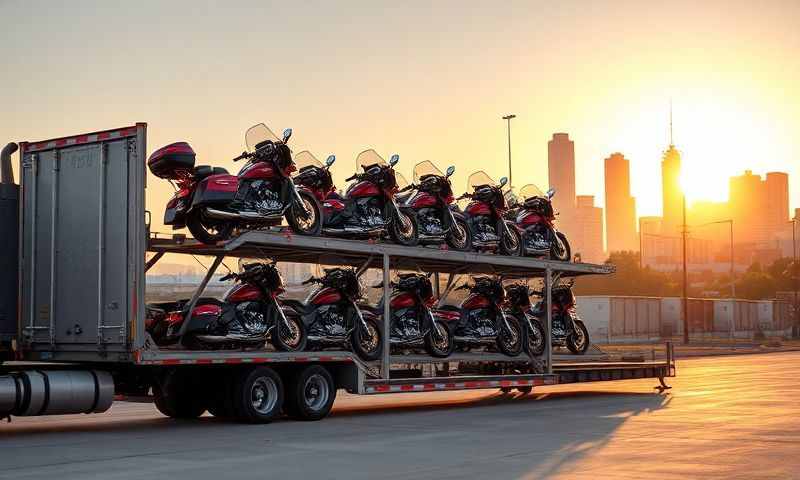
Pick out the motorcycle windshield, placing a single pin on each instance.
(479, 178)
(529, 191)
(400, 180)
(257, 134)
(370, 157)
(306, 159)
(426, 168)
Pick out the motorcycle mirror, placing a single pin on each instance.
(503, 181)
(450, 170)
(394, 159)
(287, 134)
(551, 192)
(329, 161)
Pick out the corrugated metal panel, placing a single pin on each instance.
(83, 241)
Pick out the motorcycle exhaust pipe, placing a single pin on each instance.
(246, 216)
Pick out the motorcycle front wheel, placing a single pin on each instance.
(510, 342)
(460, 236)
(534, 338)
(404, 229)
(560, 249)
(442, 347)
(206, 230)
(305, 219)
(367, 344)
(511, 245)
(289, 337)
(578, 342)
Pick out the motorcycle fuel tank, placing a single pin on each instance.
(326, 296)
(423, 200)
(243, 293)
(363, 189)
(526, 219)
(478, 208)
(258, 171)
(475, 301)
(404, 300)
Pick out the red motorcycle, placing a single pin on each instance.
(430, 199)
(481, 320)
(485, 214)
(249, 314)
(535, 221)
(369, 208)
(212, 203)
(413, 323)
(316, 178)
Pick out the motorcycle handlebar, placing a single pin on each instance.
(407, 187)
(354, 177)
(310, 280)
(242, 156)
(228, 277)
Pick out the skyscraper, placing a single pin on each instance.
(777, 185)
(620, 206)
(587, 230)
(672, 195)
(561, 171)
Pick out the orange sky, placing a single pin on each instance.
(427, 82)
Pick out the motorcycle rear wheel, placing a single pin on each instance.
(207, 231)
(367, 345)
(308, 222)
(510, 343)
(560, 249)
(444, 347)
(404, 230)
(460, 236)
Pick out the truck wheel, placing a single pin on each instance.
(177, 396)
(257, 395)
(222, 401)
(310, 394)
(525, 390)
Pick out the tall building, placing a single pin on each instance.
(586, 235)
(672, 196)
(777, 186)
(620, 205)
(748, 204)
(561, 171)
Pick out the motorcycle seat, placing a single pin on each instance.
(203, 171)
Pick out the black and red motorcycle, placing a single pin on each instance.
(332, 318)
(249, 314)
(485, 214)
(481, 319)
(535, 220)
(369, 208)
(568, 329)
(413, 323)
(430, 198)
(519, 305)
(315, 177)
(212, 203)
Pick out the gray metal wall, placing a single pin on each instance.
(83, 246)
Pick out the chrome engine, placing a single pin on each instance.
(484, 229)
(429, 222)
(406, 325)
(329, 322)
(536, 238)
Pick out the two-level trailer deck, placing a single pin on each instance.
(84, 243)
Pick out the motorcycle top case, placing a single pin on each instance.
(172, 160)
(216, 190)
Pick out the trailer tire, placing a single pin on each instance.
(222, 401)
(177, 396)
(310, 393)
(257, 395)
(525, 390)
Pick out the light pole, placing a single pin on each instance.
(684, 233)
(641, 243)
(795, 276)
(508, 118)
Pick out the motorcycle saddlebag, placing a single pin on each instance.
(216, 190)
(172, 160)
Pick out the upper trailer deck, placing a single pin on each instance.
(283, 246)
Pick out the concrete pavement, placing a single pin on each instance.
(727, 417)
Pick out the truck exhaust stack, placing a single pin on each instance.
(9, 252)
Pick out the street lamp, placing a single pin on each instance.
(508, 118)
(641, 243)
(795, 275)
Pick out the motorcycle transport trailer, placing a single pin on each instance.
(80, 339)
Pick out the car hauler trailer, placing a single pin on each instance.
(81, 339)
